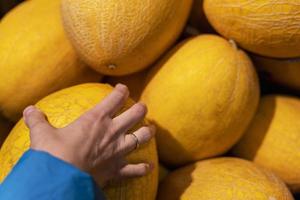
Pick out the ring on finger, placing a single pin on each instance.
(137, 142)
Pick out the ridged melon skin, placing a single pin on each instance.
(201, 97)
(266, 27)
(36, 57)
(225, 179)
(62, 108)
(122, 37)
(284, 72)
(272, 139)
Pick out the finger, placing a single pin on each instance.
(33, 117)
(129, 118)
(111, 104)
(135, 170)
(142, 136)
(36, 120)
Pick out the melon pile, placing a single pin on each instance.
(220, 78)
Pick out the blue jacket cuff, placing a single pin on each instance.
(39, 175)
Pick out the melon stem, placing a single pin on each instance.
(233, 44)
(112, 66)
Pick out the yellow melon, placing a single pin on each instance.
(5, 127)
(62, 108)
(122, 37)
(266, 27)
(273, 138)
(224, 179)
(36, 57)
(135, 83)
(285, 72)
(201, 96)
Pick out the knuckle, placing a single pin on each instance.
(86, 124)
(90, 117)
(101, 114)
(146, 134)
(147, 131)
(35, 125)
(84, 127)
(112, 130)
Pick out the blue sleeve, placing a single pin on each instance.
(39, 175)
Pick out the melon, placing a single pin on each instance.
(201, 97)
(285, 72)
(62, 108)
(266, 27)
(122, 37)
(223, 178)
(135, 82)
(273, 138)
(36, 57)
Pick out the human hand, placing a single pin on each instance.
(97, 141)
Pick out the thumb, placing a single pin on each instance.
(33, 117)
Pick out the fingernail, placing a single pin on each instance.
(122, 87)
(29, 110)
(143, 107)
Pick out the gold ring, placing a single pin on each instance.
(137, 142)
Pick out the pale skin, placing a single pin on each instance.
(97, 142)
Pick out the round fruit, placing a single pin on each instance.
(135, 83)
(223, 178)
(36, 57)
(122, 37)
(201, 96)
(273, 138)
(285, 72)
(62, 108)
(266, 27)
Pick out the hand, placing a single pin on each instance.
(96, 142)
